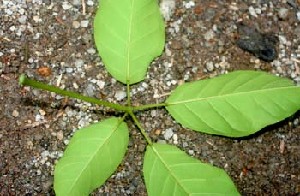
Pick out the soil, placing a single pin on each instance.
(52, 41)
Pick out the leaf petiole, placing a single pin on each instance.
(149, 106)
(138, 124)
(24, 81)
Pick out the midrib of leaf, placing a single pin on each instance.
(229, 95)
(129, 40)
(91, 158)
(168, 168)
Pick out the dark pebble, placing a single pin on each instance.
(261, 45)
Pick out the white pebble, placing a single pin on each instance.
(36, 18)
(90, 3)
(168, 134)
(189, 4)
(258, 11)
(100, 84)
(283, 13)
(22, 19)
(79, 63)
(175, 139)
(120, 95)
(8, 12)
(91, 51)
(167, 8)
(84, 23)
(66, 142)
(210, 66)
(69, 70)
(39, 117)
(153, 113)
(45, 154)
(38, 172)
(298, 15)
(21, 11)
(12, 28)
(66, 5)
(252, 11)
(282, 39)
(209, 35)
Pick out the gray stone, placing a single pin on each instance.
(283, 13)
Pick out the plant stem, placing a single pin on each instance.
(148, 106)
(138, 124)
(128, 95)
(23, 80)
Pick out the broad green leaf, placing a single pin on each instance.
(170, 171)
(128, 35)
(237, 104)
(92, 155)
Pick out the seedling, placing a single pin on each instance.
(128, 35)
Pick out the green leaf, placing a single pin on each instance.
(170, 171)
(237, 104)
(92, 155)
(128, 35)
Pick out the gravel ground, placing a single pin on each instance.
(52, 41)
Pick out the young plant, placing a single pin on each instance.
(128, 35)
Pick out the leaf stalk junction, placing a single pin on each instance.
(128, 108)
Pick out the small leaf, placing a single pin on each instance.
(237, 104)
(92, 155)
(128, 35)
(170, 171)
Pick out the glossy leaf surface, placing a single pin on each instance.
(237, 104)
(92, 155)
(128, 35)
(170, 171)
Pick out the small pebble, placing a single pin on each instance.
(209, 35)
(76, 24)
(8, 12)
(252, 11)
(79, 63)
(210, 66)
(42, 112)
(120, 95)
(36, 18)
(23, 19)
(76, 2)
(91, 51)
(66, 5)
(100, 84)
(283, 13)
(69, 70)
(189, 4)
(12, 28)
(175, 138)
(167, 8)
(84, 23)
(29, 144)
(90, 90)
(90, 3)
(15, 113)
(191, 152)
(60, 135)
(38, 172)
(168, 134)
